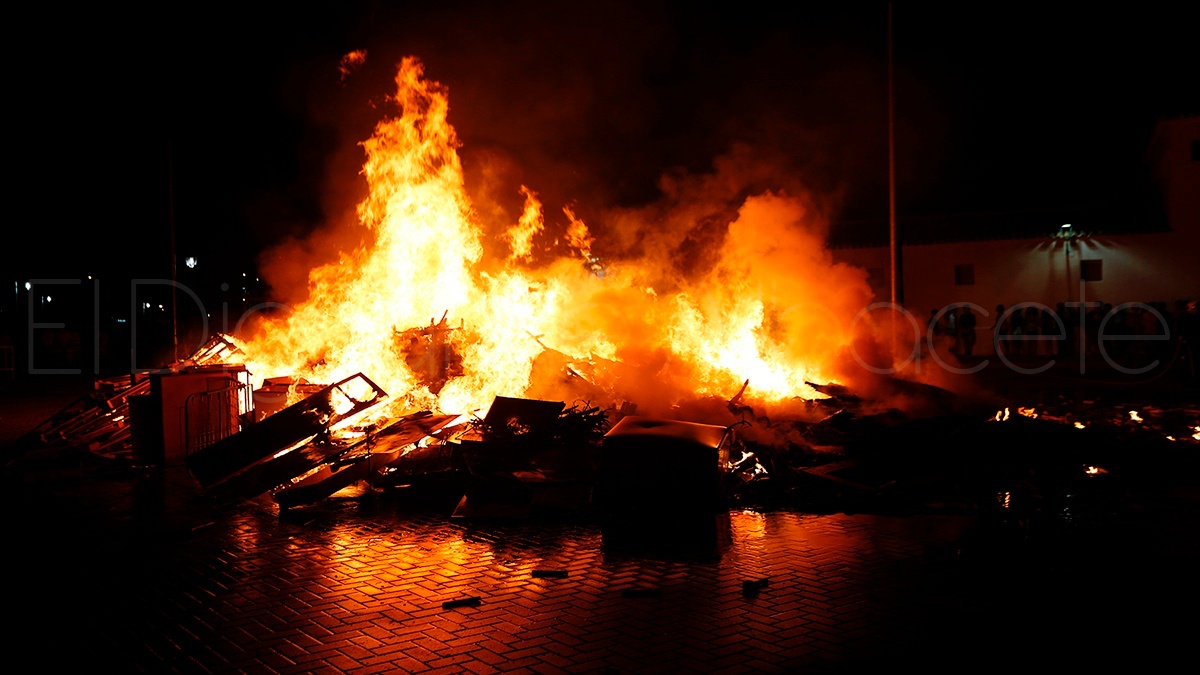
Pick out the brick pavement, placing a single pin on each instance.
(134, 571)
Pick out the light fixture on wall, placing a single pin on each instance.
(1067, 234)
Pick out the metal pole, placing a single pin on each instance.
(171, 221)
(897, 276)
(1067, 267)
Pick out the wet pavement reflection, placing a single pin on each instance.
(134, 570)
(368, 584)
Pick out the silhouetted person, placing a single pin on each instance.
(1003, 327)
(1091, 328)
(1067, 332)
(1187, 323)
(1120, 327)
(966, 331)
(933, 331)
(1031, 328)
(1051, 332)
(951, 319)
(1169, 326)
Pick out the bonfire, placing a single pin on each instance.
(446, 312)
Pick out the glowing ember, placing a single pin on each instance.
(1094, 470)
(351, 62)
(429, 310)
(1028, 412)
(1133, 415)
(1080, 425)
(745, 456)
(294, 446)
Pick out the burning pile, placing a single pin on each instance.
(720, 307)
(687, 303)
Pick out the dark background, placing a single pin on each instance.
(221, 131)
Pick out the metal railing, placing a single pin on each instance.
(209, 416)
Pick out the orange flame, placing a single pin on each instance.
(531, 223)
(418, 297)
(351, 62)
(578, 236)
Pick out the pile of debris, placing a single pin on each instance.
(301, 443)
(102, 422)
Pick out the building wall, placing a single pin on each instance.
(1175, 151)
(1133, 268)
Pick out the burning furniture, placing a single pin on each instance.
(142, 415)
(284, 445)
(186, 410)
(652, 467)
(529, 455)
(369, 459)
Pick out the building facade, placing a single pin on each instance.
(1069, 264)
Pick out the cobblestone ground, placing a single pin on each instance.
(362, 584)
(134, 571)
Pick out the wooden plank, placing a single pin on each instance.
(311, 417)
(383, 448)
(301, 420)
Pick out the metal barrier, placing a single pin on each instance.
(210, 416)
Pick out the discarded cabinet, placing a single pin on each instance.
(653, 467)
(180, 411)
(263, 445)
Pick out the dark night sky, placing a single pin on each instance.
(230, 121)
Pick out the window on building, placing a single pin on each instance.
(1091, 270)
(964, 275)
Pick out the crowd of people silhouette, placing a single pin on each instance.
(1137, 336)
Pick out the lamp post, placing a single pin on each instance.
(1067, 234)
(897, 273)
(174, 274)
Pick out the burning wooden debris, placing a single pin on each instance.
(370, 459)
(260, 456)
(655, 467)
(101, 422)
(430, 353)
(301, 442)
(526, 453)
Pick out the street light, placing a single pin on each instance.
(1068, 234)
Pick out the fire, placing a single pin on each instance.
(351, 62)
(426, 308)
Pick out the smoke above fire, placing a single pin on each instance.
(722, 289)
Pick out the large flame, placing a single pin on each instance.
(420, 308)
